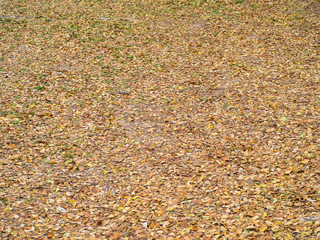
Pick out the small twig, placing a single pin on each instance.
(124, 93)
(239, 205)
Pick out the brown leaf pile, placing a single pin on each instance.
(170, 119)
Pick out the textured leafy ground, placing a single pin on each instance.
(170, 119)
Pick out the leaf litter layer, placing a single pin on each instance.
(159, 119)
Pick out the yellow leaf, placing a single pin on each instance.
(251, 227)
(211, 126)
(7, 209)
(264, 228)
(201, 178)
(194, 228)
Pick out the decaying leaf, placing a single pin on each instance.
(159, 119)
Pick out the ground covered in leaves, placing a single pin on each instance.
(170, 119)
